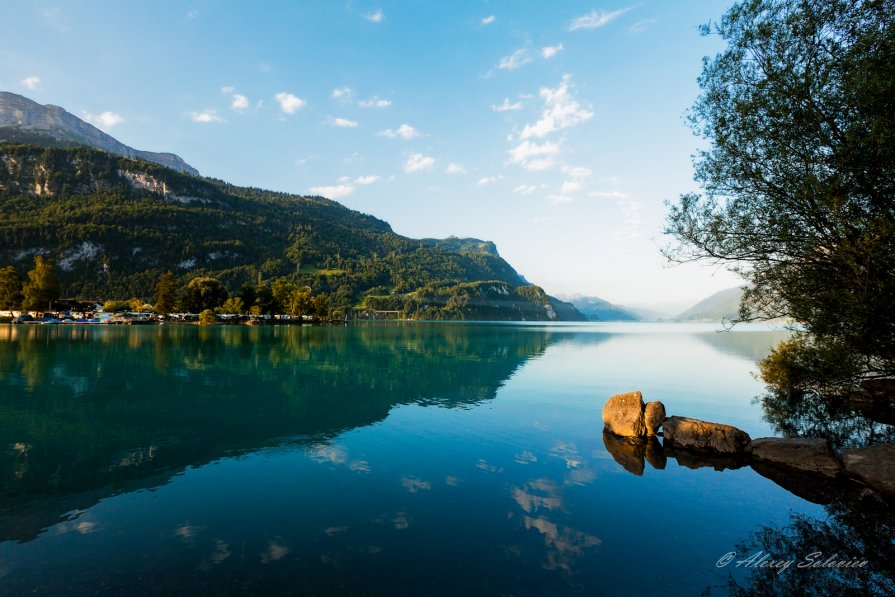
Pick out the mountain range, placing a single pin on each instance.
(25, 121)
(114, 219)
(720, 306)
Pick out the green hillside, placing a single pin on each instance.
(113, 225)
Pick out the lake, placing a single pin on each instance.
(393, 458)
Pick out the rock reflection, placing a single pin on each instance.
(630, 453)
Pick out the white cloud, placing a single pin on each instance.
(641, 26)
(227, 89)
(571, 186)
(517, 59)
(525, 189)
(343, 123)
(333, 191)
(528, 150)
(289, 103)
(454, 168)
(239, 102)
(345, 94)
(366, 179)
(577, 171)
(105, 120)
(561, 111)
(375, 17)
(596, 19)
(488, 180)
(539, 164)
(405, 131)
(32, 83)
(489, 19)
(205, 116)
(506, 106)
(418, 162)
(548, 52)
(374, 102)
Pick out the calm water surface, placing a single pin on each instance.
(371, 459)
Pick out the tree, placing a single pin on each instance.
(207, 317)
(166, 294)
(10, 289)
(203, 293)
(233, 306)
(799, 180)
(42, 287)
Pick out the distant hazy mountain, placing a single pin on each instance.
(597, 309)
(721, 305)
(25, 121)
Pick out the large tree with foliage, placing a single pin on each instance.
(201, 294)
(42, 287)
(799, 179)
(166, 294)
(10, 289)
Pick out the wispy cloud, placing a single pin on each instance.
(525, 189)
(454, 168)
(489, 19)
(366, 179)
(561, 111)
(571, 186)
(32, 83)
(517, 59)
(205, 116)
(345, 94)
(534, 156)
(641, 26)
(488, 180)
(104, 120)
(557, 199)
(374, 102)
(239, 102)
(596, 19)
(375, 17)
(289, 103)
(418, 162)
(506, 106)
(333, 191)
(607, 194)
(577, 171)
(405, 131)
(548, 52)
(342, 123)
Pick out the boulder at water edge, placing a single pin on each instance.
(874, 466)
(623, 415)
(653, 415)
(703, 436)
(813, 456)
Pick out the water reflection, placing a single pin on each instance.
(87, 414)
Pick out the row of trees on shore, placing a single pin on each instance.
(40, 288)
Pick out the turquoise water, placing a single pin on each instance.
(368, 459)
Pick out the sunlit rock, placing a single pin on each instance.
(704, 436)
(623, 415)
(813, 456)
(653, 415)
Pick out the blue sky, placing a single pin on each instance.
(554, 129)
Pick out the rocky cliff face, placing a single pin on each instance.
(23, 120)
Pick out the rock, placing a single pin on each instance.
(813, 456)
(703, 436)
(623, 415)
(653, 415)
(874, 466)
